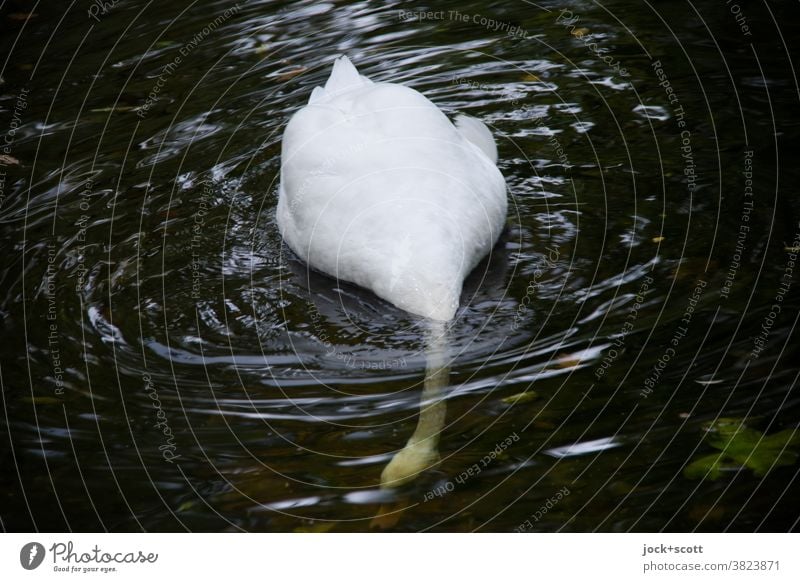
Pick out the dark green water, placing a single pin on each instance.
(168, 365)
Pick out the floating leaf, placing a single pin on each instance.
(767, 452)
(764, 459)
(579, 32)
(530, 78)
(186, 506)
(8, 160)
(526, 396)
(708, 467)
(731, 434)
(746, 447)
(658, 239)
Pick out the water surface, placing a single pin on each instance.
(169, 365)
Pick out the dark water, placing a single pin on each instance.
(168, 365)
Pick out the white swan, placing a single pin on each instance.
(380, 189)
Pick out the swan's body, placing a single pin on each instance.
(380, 189)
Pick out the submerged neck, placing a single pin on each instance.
(432, 406)
(422, 449)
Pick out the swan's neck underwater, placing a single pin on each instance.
(422, 449)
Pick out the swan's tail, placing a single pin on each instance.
(422, 449)
(344, 77)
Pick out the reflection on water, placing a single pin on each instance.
(169, 364)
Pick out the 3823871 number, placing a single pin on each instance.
(755, 565)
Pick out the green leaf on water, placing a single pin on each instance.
(731, 436)
(521, 397)
(186, 506)
(742, 446)
(708, 467)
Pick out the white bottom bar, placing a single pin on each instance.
(400, 557)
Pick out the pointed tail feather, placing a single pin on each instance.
(344, 77)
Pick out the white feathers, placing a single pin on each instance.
(380, 189)
(477, 133)
(343, 78)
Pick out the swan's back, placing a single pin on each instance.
(379, 188)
